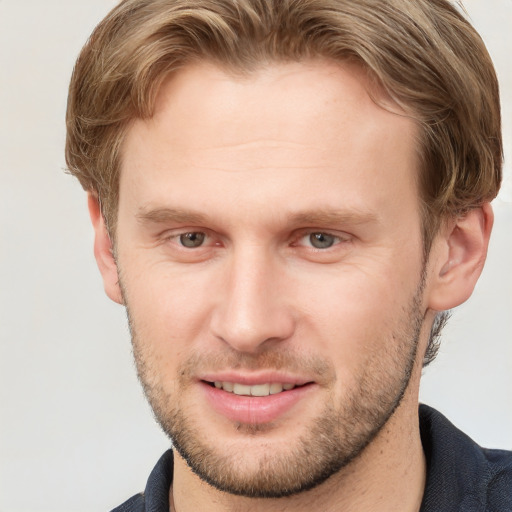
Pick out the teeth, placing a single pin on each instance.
(241, 389)
(256, 390)
(275, 388)
(260, 390)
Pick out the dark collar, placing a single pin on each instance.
(462, 476)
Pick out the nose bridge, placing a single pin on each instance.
(252, 308)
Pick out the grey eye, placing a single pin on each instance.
(321, 240)
(193, 239)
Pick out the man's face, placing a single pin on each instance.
(269, 238)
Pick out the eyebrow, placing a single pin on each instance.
(165, 215)
(169, 215)
(333, 217)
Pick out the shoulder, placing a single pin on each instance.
(499, 487)
(134, 504)
(155, 498)
(461, 475)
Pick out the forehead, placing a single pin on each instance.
(280, 100)
(303, 126)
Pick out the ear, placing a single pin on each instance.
(459, 255)
(103, 251)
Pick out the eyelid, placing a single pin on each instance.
(175, 234)
(339, 236)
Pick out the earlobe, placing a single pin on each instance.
(103, 251)
(460, 252)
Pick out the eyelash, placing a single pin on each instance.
(337, 239)
(176, 237)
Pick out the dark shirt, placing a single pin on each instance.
(461, 476)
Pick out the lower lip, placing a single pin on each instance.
(254, 409)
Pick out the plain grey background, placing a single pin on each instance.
(75, 431)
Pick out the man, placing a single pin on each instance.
(287, 196)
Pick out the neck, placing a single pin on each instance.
(389, 475)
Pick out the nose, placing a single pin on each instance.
(252, 308)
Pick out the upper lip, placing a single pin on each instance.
(255, 378)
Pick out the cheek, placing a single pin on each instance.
(168, 309)
(356, 314)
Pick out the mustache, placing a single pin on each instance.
(275, 359)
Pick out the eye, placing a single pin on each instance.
(192, 239)
(321, 240)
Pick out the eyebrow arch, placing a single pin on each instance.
(169, 215)
(333, 217)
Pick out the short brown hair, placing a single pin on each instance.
(423, 53)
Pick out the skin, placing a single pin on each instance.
(257, 164)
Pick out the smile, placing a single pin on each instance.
(261, 401)
(256, 390)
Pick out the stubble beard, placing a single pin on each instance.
(332, 441)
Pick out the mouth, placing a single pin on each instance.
(257, 402)
(259, 390)
(256, 397)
